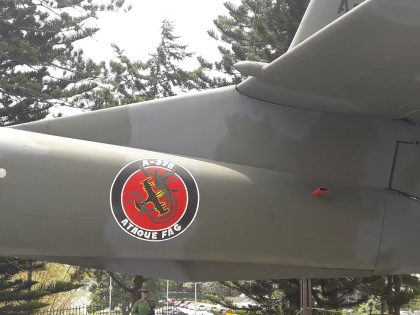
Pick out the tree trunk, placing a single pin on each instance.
(388, 294)
(29, 277)
(393, 289)
(135, 290)
(397, 289)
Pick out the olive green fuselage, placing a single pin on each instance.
(256, 165)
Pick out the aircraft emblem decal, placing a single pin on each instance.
(154, 200)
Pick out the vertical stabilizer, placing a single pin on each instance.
(319, 14)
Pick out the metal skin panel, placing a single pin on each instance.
(255, 163)
(399, 252)
(225, 126)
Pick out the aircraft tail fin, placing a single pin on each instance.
(319, 14)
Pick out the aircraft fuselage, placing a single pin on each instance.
(256, 165)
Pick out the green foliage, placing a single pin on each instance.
(283, 296)
(129, 81)
(164, 71)
(338, 293)
(270, 296)
(257, 30)
(18, 296)
(123, 288)
(396, 291)
(99, 288)
(393, 293)
(38, 66)
(372, 306)
(216, 288)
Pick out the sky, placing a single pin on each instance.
(137, 31)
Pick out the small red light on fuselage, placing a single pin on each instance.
(320, 192)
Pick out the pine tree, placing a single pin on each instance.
(283, 296)
(166, 77)
(336, 294)
(21, 296)
(395, 291)
(256, 30)
(125, 82)
(271, 296)
(39, 67)
(54, 273)
(160, 76)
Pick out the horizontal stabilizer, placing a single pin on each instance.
(366, 62)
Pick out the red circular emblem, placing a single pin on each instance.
(154, 199)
